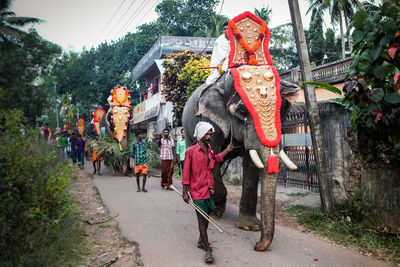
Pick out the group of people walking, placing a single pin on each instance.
(72, 145)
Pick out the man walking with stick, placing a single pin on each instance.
(198, 179)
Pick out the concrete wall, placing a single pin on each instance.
(234, 173)
(335, 122)
(381, 188)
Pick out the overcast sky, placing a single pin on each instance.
(74, 24)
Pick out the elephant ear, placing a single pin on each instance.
(211, 105)
(289, 91)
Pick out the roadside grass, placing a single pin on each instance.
(62, 245)
(346, 229)
(40, 222)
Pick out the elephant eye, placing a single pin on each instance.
(242, 111)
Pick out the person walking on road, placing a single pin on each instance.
(62, 145)
(96, 157)
(80, 150)
(198, 179)
(138, 153)
(167, 155)
(181, 148)
(72, 141)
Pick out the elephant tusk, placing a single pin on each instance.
(287, 161)
(256, 159)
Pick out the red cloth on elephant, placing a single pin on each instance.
(197, 171)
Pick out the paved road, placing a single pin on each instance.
(166, 229)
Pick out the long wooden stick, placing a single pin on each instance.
(205, 215)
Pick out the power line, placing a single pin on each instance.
(138, 11)
(156, 2)
(105, 26)
(121, 18)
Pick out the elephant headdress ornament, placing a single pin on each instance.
(80, 126)
(255, 79)
(120, 115)
(97, 117)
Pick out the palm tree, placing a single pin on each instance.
(264, 13)
(339, 10)
(9, 22)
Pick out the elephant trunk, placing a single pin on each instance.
(267, 204)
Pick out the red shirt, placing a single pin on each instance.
(197, 174)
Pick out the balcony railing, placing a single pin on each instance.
(333, 72)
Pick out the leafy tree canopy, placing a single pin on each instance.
(22, 68)
(187, 18)
(374, 102)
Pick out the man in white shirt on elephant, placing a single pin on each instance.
(219, 57)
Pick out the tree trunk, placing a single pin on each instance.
(342, 38)
(346, 23)
(313, 114)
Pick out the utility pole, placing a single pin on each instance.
(312, 106)
(55, 100)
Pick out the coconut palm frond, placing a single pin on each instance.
(8, 19)
(153, 153)
(7, 13)
(108, 147)
(22, 21)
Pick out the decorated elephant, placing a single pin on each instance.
(250, 119)
(233, 123)
(118, 118)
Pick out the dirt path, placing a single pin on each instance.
(105, 240)
(166, 230)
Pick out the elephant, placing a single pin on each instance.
(224, 109)
(110, 130)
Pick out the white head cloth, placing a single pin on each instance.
(201, 129)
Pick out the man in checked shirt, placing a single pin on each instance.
(167, 155)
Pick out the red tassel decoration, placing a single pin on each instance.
(273, 166)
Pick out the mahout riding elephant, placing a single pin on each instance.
(220, 105)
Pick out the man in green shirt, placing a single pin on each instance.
(62, 145)
(138, 153)
(181, 148)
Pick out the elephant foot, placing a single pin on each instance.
(262, 245)
(248, 223)
(219, 210)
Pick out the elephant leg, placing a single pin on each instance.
(220, 193)
(267, 210)
(247, 219)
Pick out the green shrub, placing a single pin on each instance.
(35, 202)
(108, 147)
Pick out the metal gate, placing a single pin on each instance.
(297, 144)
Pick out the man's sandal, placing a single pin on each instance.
(209, 257)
